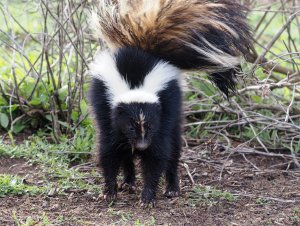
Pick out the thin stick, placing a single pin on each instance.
(188, 172)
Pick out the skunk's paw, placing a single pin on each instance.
(148, 198)
(110, 195)
(129, 187)
(147, 204)
(172, 192)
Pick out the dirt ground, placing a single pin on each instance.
(266, 194)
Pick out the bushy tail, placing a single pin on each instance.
(191, 34)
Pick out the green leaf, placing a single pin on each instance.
(74, 115)
(260, 73)
(4, 120)
(13, 107)
(63, 93)
(65, 124)
(83, 107)
(18, 127)
(49, 117)
(256, 98)
(35, 102)
(206, 88)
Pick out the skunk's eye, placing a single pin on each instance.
(131, 128)
(150, 127)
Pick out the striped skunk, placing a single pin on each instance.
(136, 100)
(135, 91)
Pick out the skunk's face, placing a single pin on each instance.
(138, 122)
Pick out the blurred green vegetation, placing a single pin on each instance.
(42, 82)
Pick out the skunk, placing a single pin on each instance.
(136, 100)
(135, 92)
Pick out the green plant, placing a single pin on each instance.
(13, 185)
(295, 217)
(57, 162)
(44, 221)
(149, 222)
(122, 215)
(43, 66)
(208, 195)
(261, 201)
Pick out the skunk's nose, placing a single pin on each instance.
(142, 145)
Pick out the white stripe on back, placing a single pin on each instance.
(105, 69)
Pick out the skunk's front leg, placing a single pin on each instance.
(153, 168)
(110, 163)
(128, 183)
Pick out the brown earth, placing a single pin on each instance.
(267, 194)
(15, 166)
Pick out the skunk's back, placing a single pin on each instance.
(191, 34)
(181, 31)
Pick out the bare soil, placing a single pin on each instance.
(17, 166)
(267, 194)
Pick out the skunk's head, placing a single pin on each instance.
(138, 122)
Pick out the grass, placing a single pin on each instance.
(43, 220)
(56, 164)
(123, 219)
(149, 222)
(124, 216)
(261, 201)
(208, 195)
(296, 216)
(14, 185)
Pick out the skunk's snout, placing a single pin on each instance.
(141, 145)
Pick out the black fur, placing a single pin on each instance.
(225, 81)
(134, 64)
(175, 30)
(185, 57)
(118, 131)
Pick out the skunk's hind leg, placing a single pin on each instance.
(172, 188)
(128, 183)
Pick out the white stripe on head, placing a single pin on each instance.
(105, 69)
(136, 96)
(158, 78)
